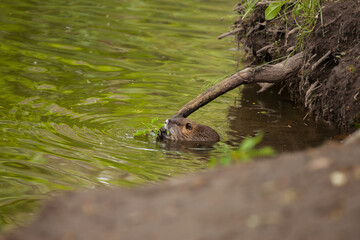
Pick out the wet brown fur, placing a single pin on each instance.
(182, 129)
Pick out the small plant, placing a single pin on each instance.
(273, 9)
(151, 128)
(244, 152)
(350, 68)
(249, 6)
(307, 10)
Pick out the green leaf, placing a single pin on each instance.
(267, 151)
(224, 161)
(273, 9)
(244, 153)
(152, 129)
(154, 120)
(298, 9)
(263, 152)
(249, 143)
(250, 8)
(138, 133)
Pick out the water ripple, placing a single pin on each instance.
(78, 78)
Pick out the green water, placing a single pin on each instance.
(79, 77)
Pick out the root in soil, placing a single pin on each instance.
(328, 84)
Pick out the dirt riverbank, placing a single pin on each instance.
(328, 84)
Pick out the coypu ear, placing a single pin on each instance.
(188, 126)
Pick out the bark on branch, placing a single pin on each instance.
(236, 30)
(264, 74)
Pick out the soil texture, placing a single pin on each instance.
(328, 84)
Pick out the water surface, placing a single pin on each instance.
(79, 77)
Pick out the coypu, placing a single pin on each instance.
(182, 129)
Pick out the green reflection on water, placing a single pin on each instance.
(78, 78)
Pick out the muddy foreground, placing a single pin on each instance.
(306, 195)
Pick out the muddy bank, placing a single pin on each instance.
(307, 195)
(328, 84)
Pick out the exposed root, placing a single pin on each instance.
(292, 31)
(281, 89)
(335, 100)
(264, 87)
(306, 115)
(310, 59)
(290, 49)
(265, 74)
(309, 92)
(322, 59)
(264, 50)
(356, 95)
(236, 30)
(257, 27)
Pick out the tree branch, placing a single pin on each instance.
(236, 30)
(264, 74)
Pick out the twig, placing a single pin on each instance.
(264, 87)
(236, 30)
(306, 115)
(264, 49)
(292, 31)
(311, 58)
(323, 58)
(290, 49)
(356, 95)
(311, 89)
(281, 89)
(257, 26)
(289, 33)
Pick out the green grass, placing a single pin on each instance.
(304, 12)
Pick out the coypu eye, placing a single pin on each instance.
(188, 126)
(177, 124)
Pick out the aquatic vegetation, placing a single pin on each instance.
(152, 128)
(244, 153)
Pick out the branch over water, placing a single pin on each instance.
(265, 74)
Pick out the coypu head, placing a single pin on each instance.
(182, 129)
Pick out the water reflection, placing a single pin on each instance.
(79, 77)
(285, 126)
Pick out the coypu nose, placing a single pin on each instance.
(166, 124)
